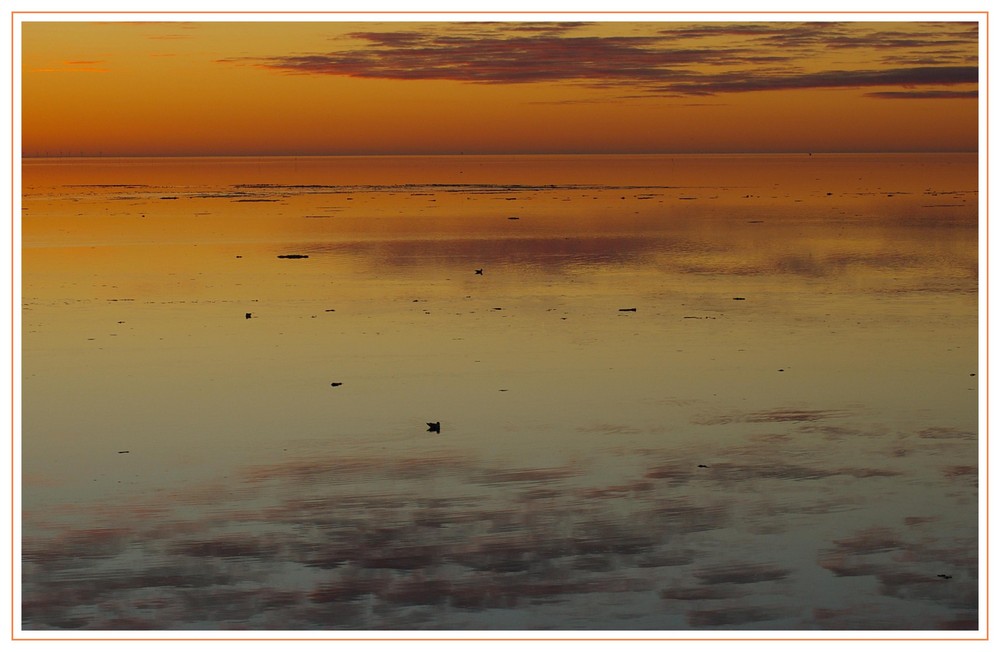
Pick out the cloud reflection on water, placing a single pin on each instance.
(388, 542)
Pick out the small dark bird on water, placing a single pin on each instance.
(249, 314)
(434, 427)
(336, 384)
(702, 466)
(479, 271)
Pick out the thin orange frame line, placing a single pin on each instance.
(986, 16)
(452, 13)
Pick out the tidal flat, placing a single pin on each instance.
(675, 393)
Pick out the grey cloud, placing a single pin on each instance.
(924, 95)
(757, 57)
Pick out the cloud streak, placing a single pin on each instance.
(684, 60)
(924, 95)
(525, 59)
(919, 76)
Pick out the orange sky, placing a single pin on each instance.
(232, 88)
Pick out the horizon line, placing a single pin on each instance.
(471, 154)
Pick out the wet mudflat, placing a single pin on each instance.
(675, 393)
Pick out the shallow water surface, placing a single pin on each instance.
(684, 393)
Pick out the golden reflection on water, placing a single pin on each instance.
(684, 393)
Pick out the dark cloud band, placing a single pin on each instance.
(675, 61)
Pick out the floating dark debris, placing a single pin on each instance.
(122, 452)
(739, 298)
(626, 310)
(513, 218)
(249, 315)
(479, 271)
(434, 426)
(336, 384)
(702, 466)
(292, 256)
(945, 577)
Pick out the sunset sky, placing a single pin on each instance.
(308, 88)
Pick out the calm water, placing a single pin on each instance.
(685, 393)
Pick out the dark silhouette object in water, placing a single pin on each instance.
(292, 256)
(702, 466)
(945, 577)
(739, 298)
(336, 384)
(434, 427)
(249, 315)
(122, 452)
(479, 271)
(626, 310)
